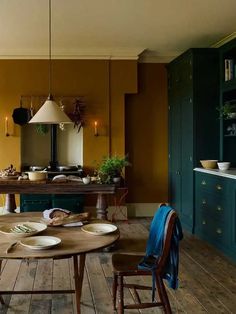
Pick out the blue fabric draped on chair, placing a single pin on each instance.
(155, 247)
(160, 261)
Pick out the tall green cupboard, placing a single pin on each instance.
(228, 96)
(193, 93)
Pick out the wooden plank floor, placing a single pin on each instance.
(207, 279)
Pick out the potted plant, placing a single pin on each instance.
(228, 110)
(111, 168)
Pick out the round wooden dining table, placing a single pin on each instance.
(75, 244)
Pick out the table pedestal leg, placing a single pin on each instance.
(10, 203)
(78, 276)
(101, 206)
(1, 298)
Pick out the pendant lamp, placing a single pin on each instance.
(50, 112)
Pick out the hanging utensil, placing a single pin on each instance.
(21, 115)
(31, 108)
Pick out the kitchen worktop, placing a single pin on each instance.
(231, 173)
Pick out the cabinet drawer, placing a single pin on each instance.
(214, 231)
(212, 183)
(213, 206)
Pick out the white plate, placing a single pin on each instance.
(99, 229)
(40, 242)
(38, 227)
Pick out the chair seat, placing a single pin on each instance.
(126, 263)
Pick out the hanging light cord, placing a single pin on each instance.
(50, 44)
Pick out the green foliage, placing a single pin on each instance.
(112, 167)
(226, 111)
(41, 129)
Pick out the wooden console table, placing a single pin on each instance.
(12, 187)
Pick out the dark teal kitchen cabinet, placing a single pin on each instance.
(73, 202)
(215, 209)
(228, 96)
(30, 203)
(193, 92)
(233, 217)
(40, 202)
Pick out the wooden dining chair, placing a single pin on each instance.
(127, 265)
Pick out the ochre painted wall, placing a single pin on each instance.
(92, 79)
(147, 136)
(104, 85)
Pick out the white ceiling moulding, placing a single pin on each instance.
(224, 40)
(154, 57)
(89, 54)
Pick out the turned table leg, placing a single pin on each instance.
(1, 298)
(78, 277)
(10, 203)
(101, 206)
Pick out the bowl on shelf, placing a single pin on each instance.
(223, 165)
(37, 175)
(209, 164)
(86, 180)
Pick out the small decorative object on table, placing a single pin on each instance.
(86, 180)
(9, 173)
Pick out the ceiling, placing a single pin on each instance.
(158, 30)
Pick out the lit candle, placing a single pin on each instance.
(6, 126)
(95, 128)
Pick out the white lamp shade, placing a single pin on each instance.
(50, 113)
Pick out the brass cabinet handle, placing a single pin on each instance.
(204, 202)
(204, 222)
(219, 208)
(219, 231)
(203, 182)
(219, 187)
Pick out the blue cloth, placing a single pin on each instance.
(155, 247)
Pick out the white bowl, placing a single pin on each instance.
(223, 165)
(37, 175)
(86, 180)
(116, 179)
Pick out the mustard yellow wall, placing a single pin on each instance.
(103, 84)
(147, 136)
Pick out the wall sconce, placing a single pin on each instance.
(95, 128)
(6, 127)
